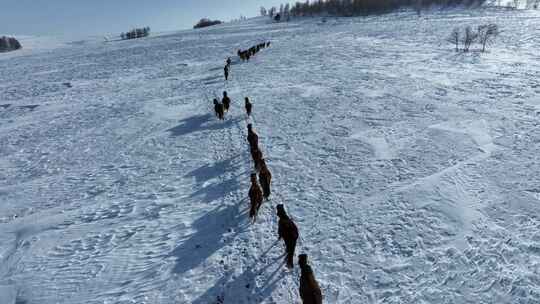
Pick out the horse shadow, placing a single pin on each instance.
(210, 192)
(197, 123)
(243, 288)
(213, 231)
(210, 171)
(212, 82)
(210, 78)
(215, 191)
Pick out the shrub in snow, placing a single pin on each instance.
(9, 44)
(487, 34)
(205, 22)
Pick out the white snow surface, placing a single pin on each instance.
(411, 170)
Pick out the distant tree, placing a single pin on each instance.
(487, 34)
(205, 22)
(454, 38)
(272, 12)
(15, 44)
(9, 44)
(287, 12)
(529, 4)
(4, 44)
(136, 33)
(296, 9)
(418, 7)
(469, 38)
(263, 11)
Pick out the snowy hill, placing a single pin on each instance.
(411, 170)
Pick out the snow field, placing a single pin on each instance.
(410, 170)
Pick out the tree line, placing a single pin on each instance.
(9, 44)
(136, 33)
(528, 4)
(349, 8)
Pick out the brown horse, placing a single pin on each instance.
(287, 231)
(218, 108)
(255, 198)
(249, 106)
(310, 292)
(257, 157)
(265, 178)
(252, 137)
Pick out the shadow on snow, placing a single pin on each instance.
(242, 288)
(202, 122)
(211, 171)
(213, 231)
(210, 192)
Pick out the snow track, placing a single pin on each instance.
(410, 170)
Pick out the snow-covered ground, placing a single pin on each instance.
(411, 170)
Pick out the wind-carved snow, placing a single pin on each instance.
(411, 170)
(381, 148)
(476, 129)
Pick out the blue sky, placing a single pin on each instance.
(88, 17)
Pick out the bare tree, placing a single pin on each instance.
(418, 7)
(532, 4)
(287, 12)
(469, 38)
(454, 38)
(263, 11)
(272, 12)
(487, 34)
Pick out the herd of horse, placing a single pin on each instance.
(260, 190)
